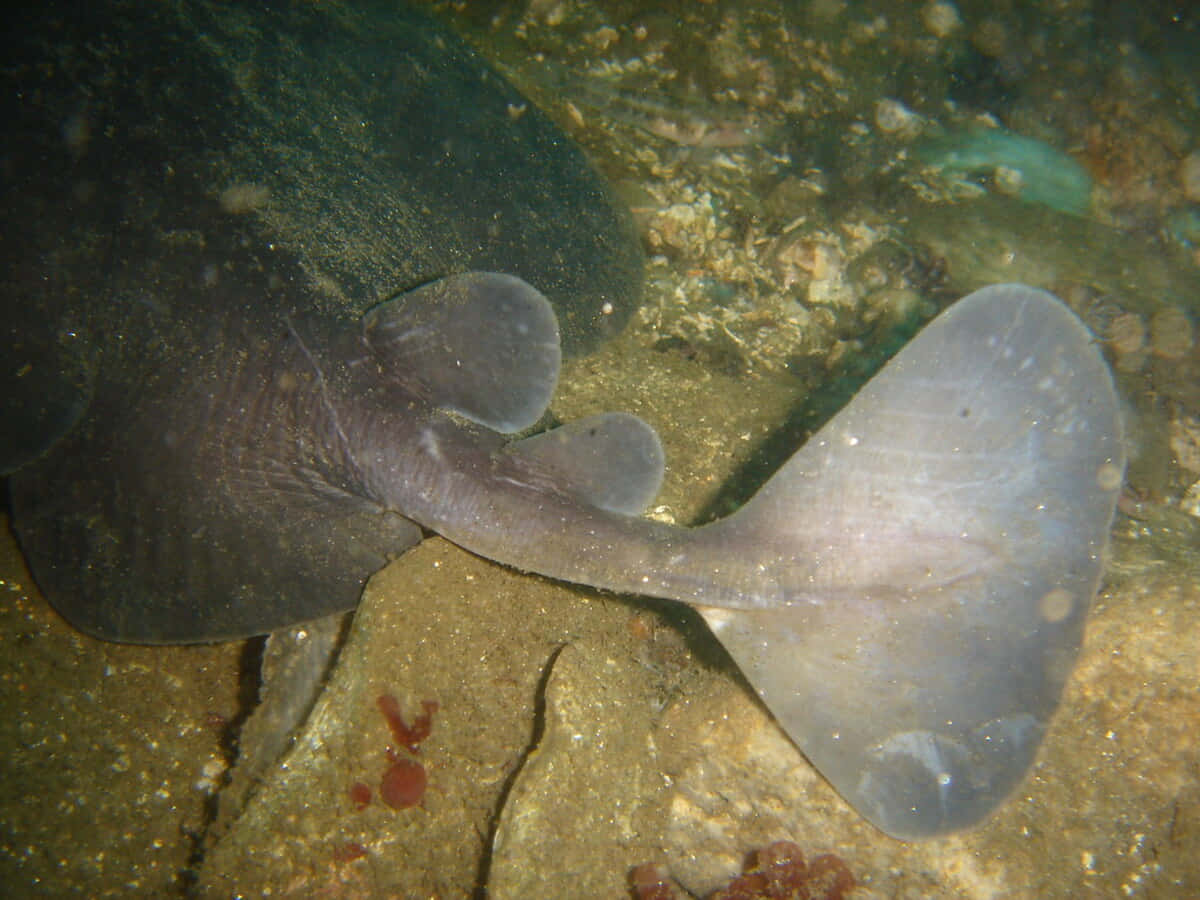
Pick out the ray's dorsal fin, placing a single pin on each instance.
(480, 344)
(612, 460)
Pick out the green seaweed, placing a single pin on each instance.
(1047, 175)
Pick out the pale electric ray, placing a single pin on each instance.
(907, 593)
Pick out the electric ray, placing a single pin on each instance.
(231, 451)
(907, 593)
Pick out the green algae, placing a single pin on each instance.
(1034, 170)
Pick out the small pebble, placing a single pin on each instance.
(941, 18)
(1008, 181)
(1171, 334)
(1190, 502)
(893, 117)
(990, 38)
(1127, 336)
(1184, 440)
(1189, 175)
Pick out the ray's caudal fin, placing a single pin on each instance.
(936, 547)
